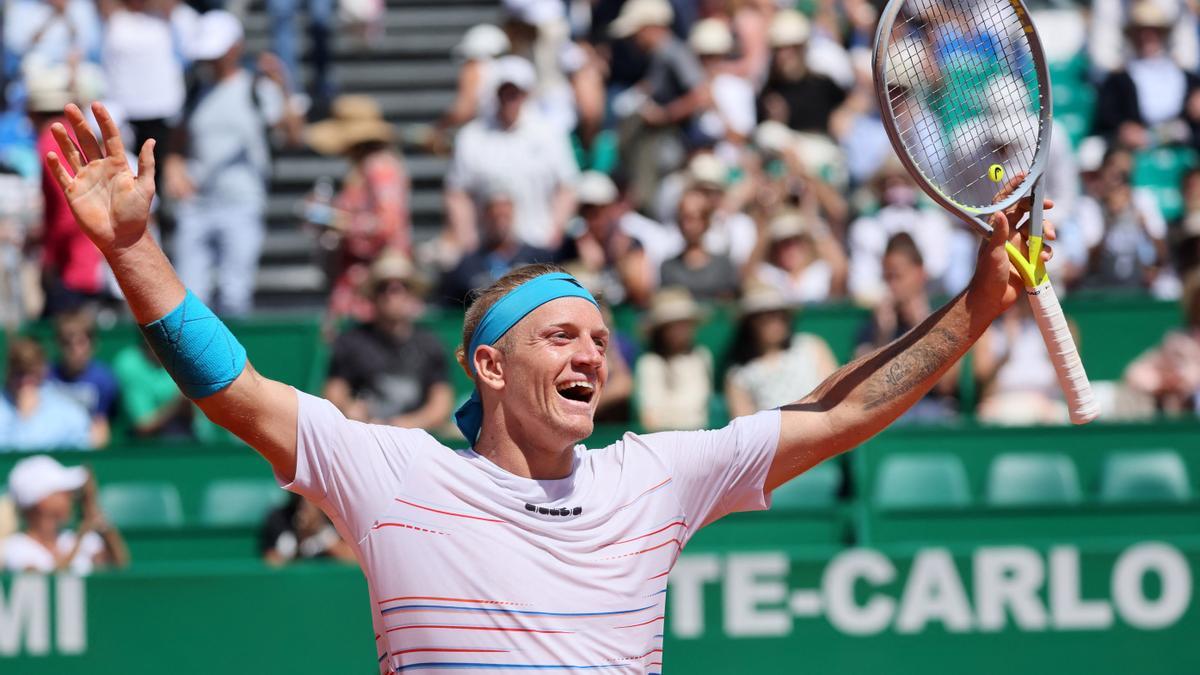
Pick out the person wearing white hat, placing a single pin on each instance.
(804, 260)
(514, 147)
(729, 117)
(476, 54)
(674, 377)
(706, 274)
(219, 160)
(45, 493)
(603, 248)
(794, 92)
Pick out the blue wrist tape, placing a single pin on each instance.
(196, 348)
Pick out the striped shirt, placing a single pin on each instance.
(470, 567)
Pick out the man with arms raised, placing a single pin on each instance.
(524, 550)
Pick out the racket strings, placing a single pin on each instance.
(963, 73)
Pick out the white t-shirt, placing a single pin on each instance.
(144, 72)
(467, 563)
(23, 554)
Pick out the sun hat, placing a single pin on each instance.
(638, 14)
(355, 119)
(671, 304)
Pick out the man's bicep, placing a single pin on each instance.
(261, 412)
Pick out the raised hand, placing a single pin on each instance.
(996, 278)
(110, 203)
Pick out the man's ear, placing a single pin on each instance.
(489, 367)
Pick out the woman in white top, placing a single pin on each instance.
(771, 365)
(674, 378)
(45, 493)
(804, 261)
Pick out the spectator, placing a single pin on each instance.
(52, 32)
(476, 53)
(794, 93)
(1015, 377)
(730, 232)
(219, 163)
(45, 493)
(603, 248)
(1170, 372)
(942, 245)
(857, 125)
(905, 304)
(371, 214)
(770, 365)
(728, 117)
(1153, 100)
(674, 377)
(499, 252)
(391, 371)
(150, 402)
(513, 147)
(87, 380)
(72, 267)
(669, 95)
(707, 276)
(283, 15)
(1106, 51)
(36, 414)
(804, 261)
(1123, 230)
(299, 530)
(20, 211)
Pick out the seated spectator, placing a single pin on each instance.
(151, 402)
(804, 261)
(1170, 372)
(299, 530)
(52, 32)
(794, 93)
(390, 371)
(1108, 20)
(728, 117)
(674, 377)
(20, 212)
(36, 414)
(82, 376)
(730, 231)
(371, 213)
(905, 304)
(770, 364)
(500, 251)
(1123, 230)
(1152, 101)
(219, 163)
(516, 147)
(475, 56)
(601, 246)
(1017, 382)
(45, 493)
(705, 275)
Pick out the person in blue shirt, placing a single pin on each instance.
(36, 414)
(81, 375)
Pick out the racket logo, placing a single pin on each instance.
(996, 173)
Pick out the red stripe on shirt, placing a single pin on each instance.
(450, 513)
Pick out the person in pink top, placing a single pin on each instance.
(524, 549)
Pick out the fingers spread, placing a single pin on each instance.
(58, 171)
(145, 177)
(67, 146)
(83, 134)
(108, 131)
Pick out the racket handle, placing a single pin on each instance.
(1071, 375)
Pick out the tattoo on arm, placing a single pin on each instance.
(911, 367)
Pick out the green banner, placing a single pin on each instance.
(1058, 610)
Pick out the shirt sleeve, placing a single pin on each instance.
(350, 469)
(721, 471)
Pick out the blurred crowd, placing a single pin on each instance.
(675, 155)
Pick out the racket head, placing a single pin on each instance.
(952, 114)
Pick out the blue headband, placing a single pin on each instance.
(497, 321)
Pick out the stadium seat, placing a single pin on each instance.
(1155, 476)
(816, 488)
(142, 505)
(239, 503)
(1032, 479)
(925, 480)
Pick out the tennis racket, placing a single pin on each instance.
(964, 95)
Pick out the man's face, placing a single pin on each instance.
(554, 370)
(395, 301)
(510, 99)
(598, 218)
(904, 277)
(76, 349)
(693, 217)
(498, 219)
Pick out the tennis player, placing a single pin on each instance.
(524, 550)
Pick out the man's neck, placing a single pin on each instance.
(513, 448)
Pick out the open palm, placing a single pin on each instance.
(110, 203)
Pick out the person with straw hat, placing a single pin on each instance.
(673, 379)
(371, 211)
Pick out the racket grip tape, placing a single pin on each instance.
(1048, 312)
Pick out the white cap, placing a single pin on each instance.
(514, 70)
(35, 478)
(788, 225)
(638, 14)
(707, 169)
(788, 29)
(482, 41)
(711, 37)
(773, 136)
(216, 32)
(595, 188)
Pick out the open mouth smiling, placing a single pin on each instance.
(581, 391)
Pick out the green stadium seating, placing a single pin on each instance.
(919, 481)
(816, 488)
(239, 503)
(1155, 476)
(142, 504)
(1032, 479)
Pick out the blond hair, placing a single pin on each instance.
(481, 300)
